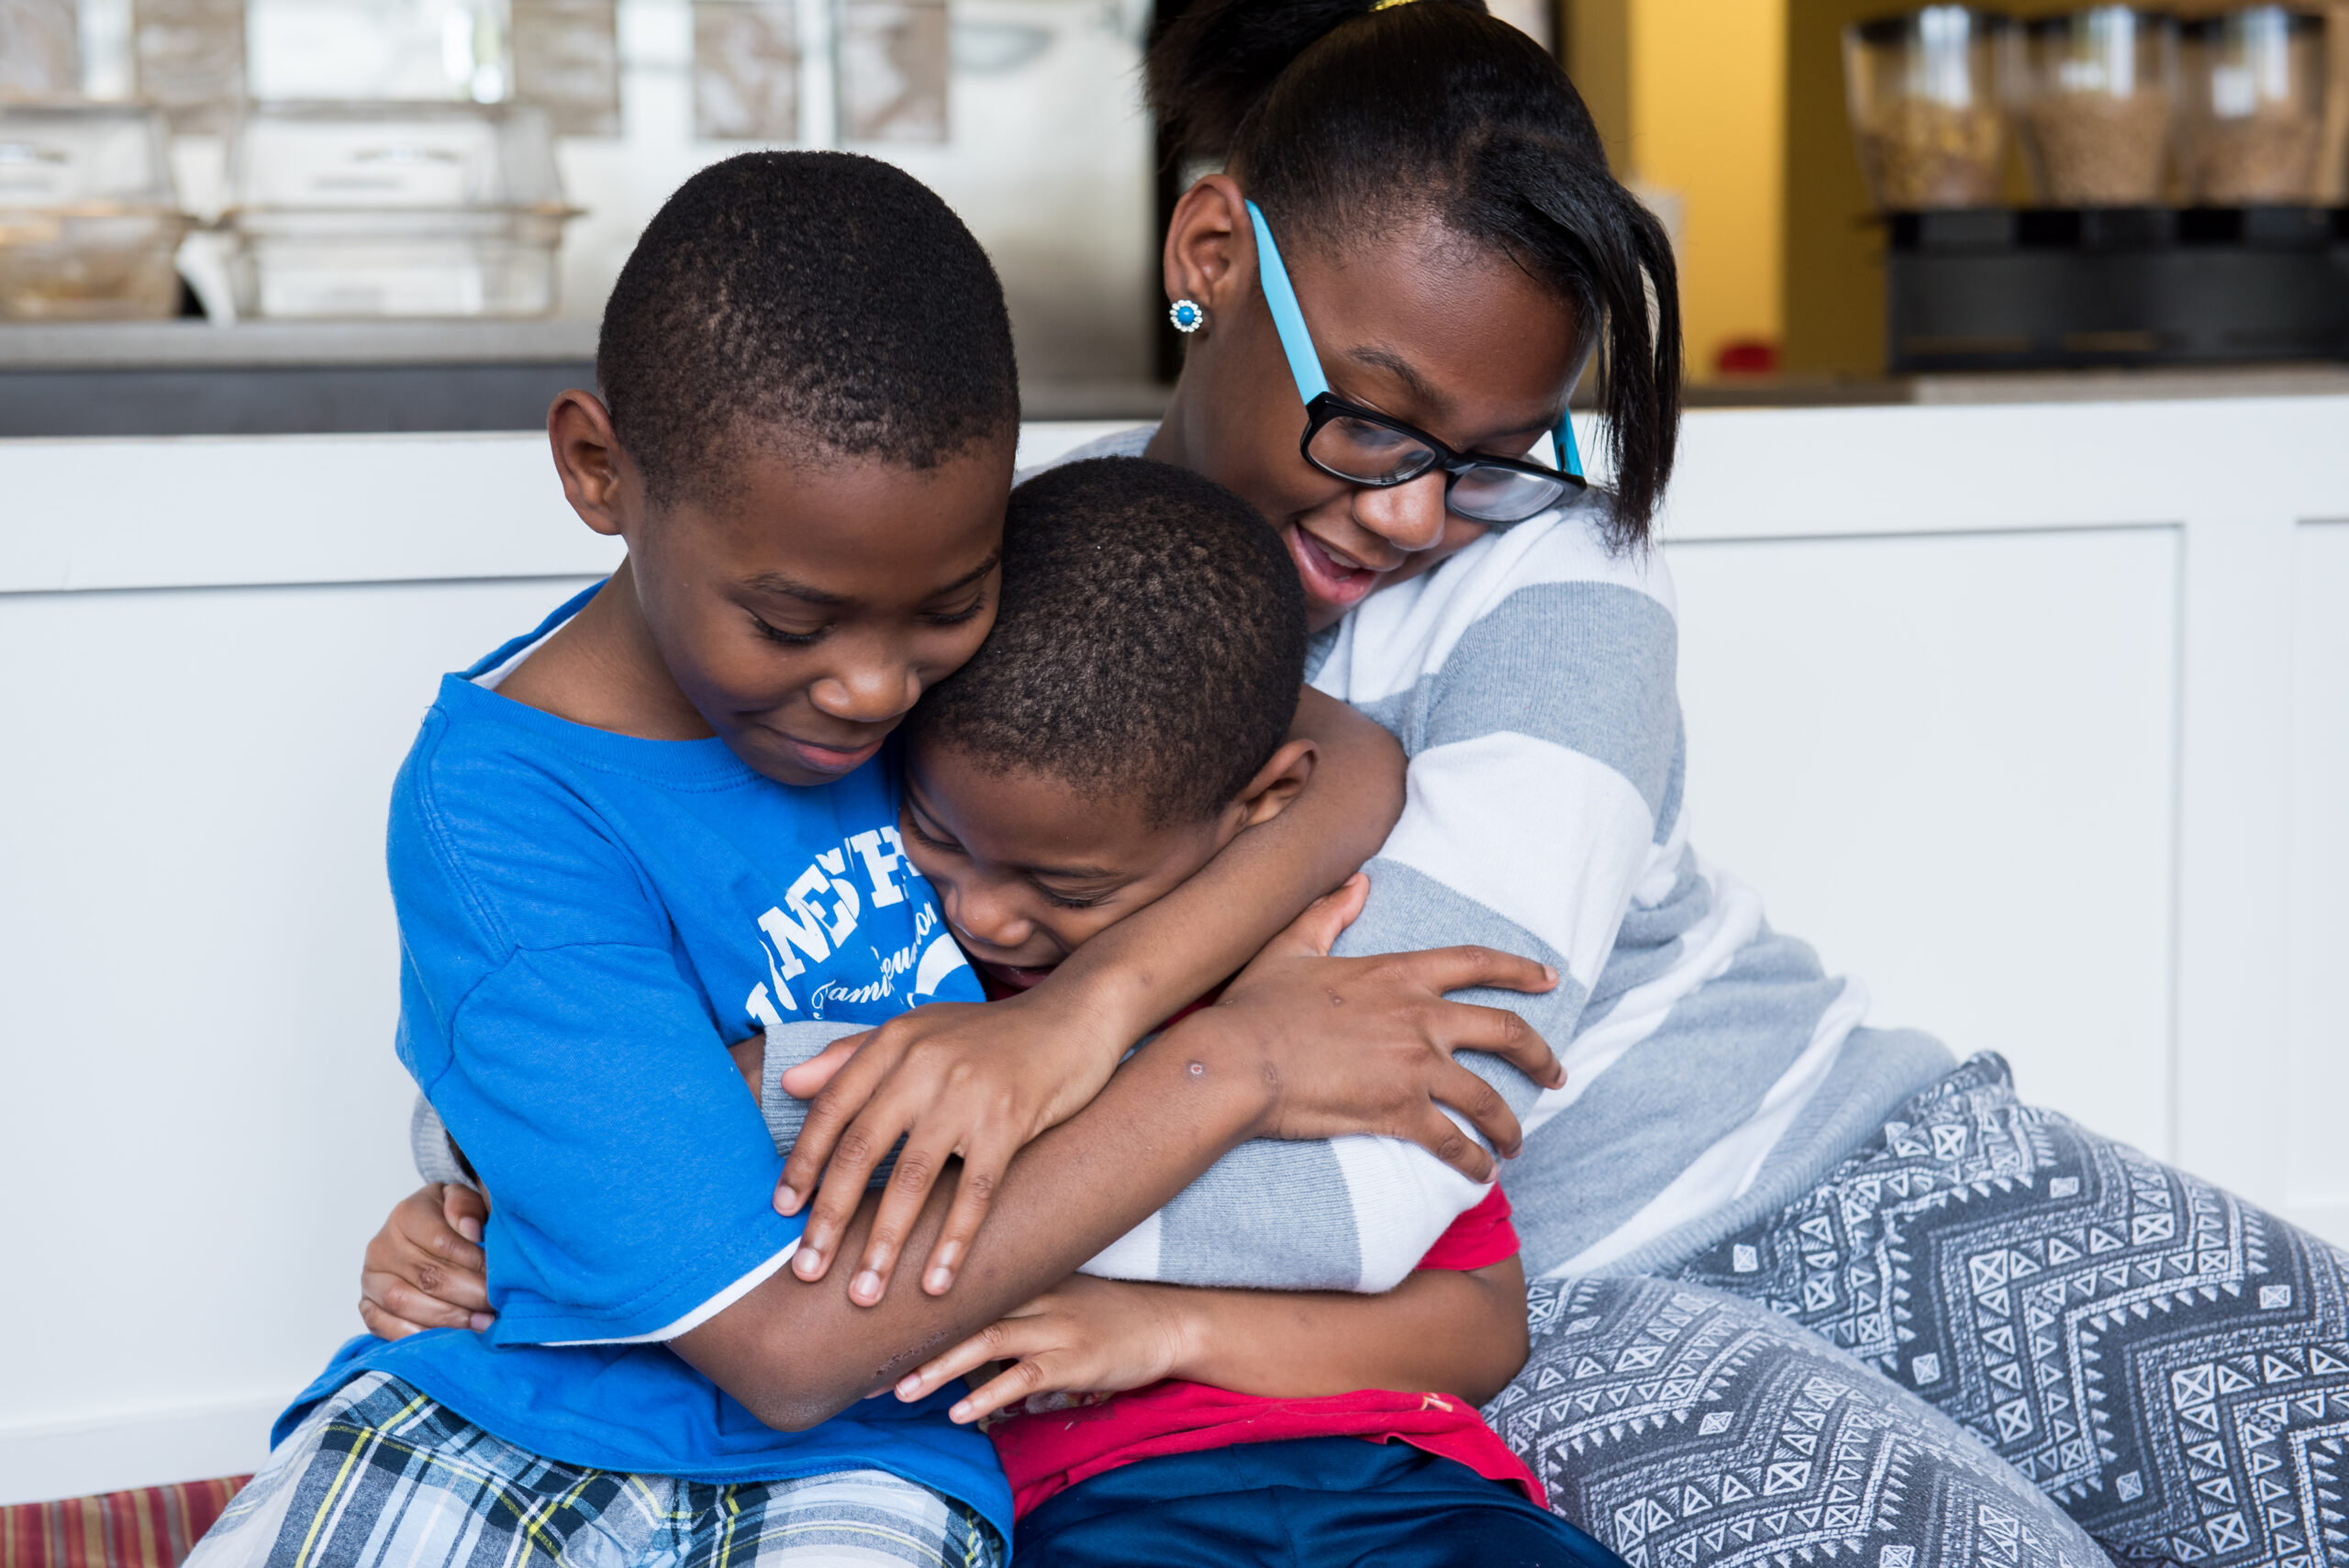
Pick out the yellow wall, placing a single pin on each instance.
(1707, 120)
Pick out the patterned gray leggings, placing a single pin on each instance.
(1990, 1338)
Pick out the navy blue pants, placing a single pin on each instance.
(1310, 1503)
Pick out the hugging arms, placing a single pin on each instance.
(1119, 793)
(1382, 1018)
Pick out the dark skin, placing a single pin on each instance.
(1420, 324)
(1462, 1331)
(1423, 326)
(1030, 869)
(802, 649)
(679, 649)
(1460, 342)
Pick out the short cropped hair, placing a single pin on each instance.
(804, 301)
(1150, 645)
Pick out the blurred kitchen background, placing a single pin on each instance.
(411, 210)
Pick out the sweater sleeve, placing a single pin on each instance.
(435, 1156)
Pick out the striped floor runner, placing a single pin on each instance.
(152, 1527)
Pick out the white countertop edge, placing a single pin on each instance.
(87, 515)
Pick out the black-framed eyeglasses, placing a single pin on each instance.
(1361, 446)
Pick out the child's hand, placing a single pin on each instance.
(955, 1080)
(1090, 1335)
(425, 1269)
(1358, 1045)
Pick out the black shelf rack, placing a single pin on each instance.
(2035, 288)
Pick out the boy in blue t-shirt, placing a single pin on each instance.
(663, 821)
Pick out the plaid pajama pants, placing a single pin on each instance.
(379, 1475)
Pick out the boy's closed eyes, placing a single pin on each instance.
(1028, 868)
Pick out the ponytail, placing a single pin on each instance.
(1340, 117)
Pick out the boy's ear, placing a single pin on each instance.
(599, 480)
(1278, 782)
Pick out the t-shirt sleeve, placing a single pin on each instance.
(1478, 1239)
(633, 1177)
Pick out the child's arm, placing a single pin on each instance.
(1046, 1054)
(1282, 1057)
(1443, 1330)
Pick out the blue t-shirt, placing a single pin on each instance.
(585, 921)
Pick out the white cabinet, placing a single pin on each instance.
(2316, 1118)
(1948, 763)
(202, 1119)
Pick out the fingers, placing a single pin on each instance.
(1044, 1372)
(383, 1325)
(394, 1298)
(466, 1289)
(1442, 1137)
(919, 1165)
(1465, 1026)
(983, 1168)
(422, 1252)
(811, 1077)
(1461, 968)
(1482, 1105)
(463, 1211)
(436, 1239)
(1311, 933)
(963, 1359)
(857, 1151)
(852, 1082)
(1016, 1333)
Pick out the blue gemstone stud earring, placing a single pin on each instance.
(1189, 315)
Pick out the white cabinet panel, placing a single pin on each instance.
(2319, 1113)
(1948, 763)
(198, 974)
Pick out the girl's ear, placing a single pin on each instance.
(1278, 782)
(1211, 250)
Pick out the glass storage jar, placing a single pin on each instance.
(357, 209)
(2097, 99)
(90, 223)
(2253, 114)
(1927, 94)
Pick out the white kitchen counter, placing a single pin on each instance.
(2035, 716)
